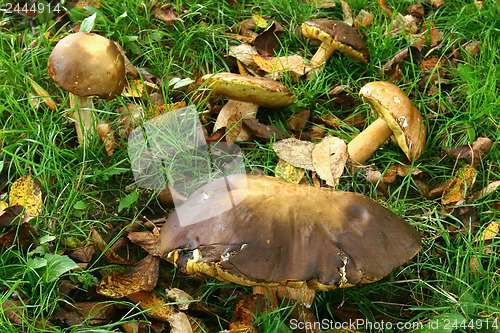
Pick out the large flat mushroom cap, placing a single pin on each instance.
(288, 234)
(404, 119)
(258, 90)
(87, 64)
(339, 34)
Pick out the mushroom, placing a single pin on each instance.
(85, 65)
(398, 117)
(287, 235)
(246, 94)
(334, 36)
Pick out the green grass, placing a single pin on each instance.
(84, 187)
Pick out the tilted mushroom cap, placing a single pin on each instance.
(288, 234)
(87, 64)
(259, 90)
(405, 121)
(344, 37)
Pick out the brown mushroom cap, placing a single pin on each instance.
(288, 234)
(87, 64)
(257, 90)
(339, 34)
(405, 121)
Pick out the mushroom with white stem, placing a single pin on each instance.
(288, 235)
(398, 117)
(246, 94)
(334, 36)
(85, 65)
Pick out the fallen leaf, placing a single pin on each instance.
(141, 276)
(27, 193)
(461, 185)
(289, 172)
(94, 313)
(488, 233)
(402, 171)
(472, 154)
(296, 152)
(341, 95)
(485, 191)
(329, 157)
(299, 120)
(315, 133)
(20, 237)
(179, 296)
(259, 21)
(363, 19)
(108, 254)
(82, 253)
(138, 88)
(107, 137)
(346, 10)
(148, 241)
(155, 304)
(267, 43)
(246, 313)
(12, 215)
(263, 131)
(179, 323)
(331, 120)
(42, 94)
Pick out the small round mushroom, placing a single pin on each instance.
(334, 36)
(398, 117)
(246, 94)
(283, 234)
(85, 65)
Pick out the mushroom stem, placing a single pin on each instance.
(364, 145)
(319, 59)
(84, 117)
(242, 110)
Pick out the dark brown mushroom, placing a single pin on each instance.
(334, 36)
(85, 65)
(283, 234)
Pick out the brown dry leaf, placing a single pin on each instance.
(485, 191)
(363, 19)
(41, 93)
(26, 192)
(296, 152)
(263, 131)
(472, 154)
(293, 65)
(299, 120)
(436, 3)
(141, 276)
(22, 237)
(331, 120)
(346, 10)
(288, 172)
(315, 133)
(245, 54)
(179, 323)
(375, 177)
(329, 158)
(94, 313)
(12, 215)
(267, 43)
(137, 88)
(246, 312)
(168, 14)
(82, 253)
(155, 304)
(148, 241)
(234, 128)
(459, 188)
(392, 66)
(107, 138)
(400, 170)
(342, 95)
(179, 296)
(131, 116)
(108, 254)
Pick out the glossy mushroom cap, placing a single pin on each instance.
(339, 34)
(401, 115)
(87, 64)
(257, 90)
(288, 234)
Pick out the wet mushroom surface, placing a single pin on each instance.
(287, 234)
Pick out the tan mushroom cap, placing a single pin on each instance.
(258, 90)
(340, 35)
(290, 235)
(87, 64)
(401, 115)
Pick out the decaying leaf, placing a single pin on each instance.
(472, 154)
(42, 94)
(346, 10)
(82, 253)
(137, 88)
(329, 157)
(259, 21)
(179, 296)
(331, 120)
(179, 323)
(155, 304)
(485, 191)
(299, 120)
(363, 19)
(246, 314)
(315, 133)
(27, 193)
(289, 172)
(263, 131)
(267, 43)
(296, 152)
(107, 137)
(94, 313)
(400, 170)
(11, 216)
(108, 254)
(168, 14)
(22, 237)
(141, 276)
(490, 232)
(146, 240)
(459, 188)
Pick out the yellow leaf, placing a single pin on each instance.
(259, 21)
(43, 94)
(288, 172)
(461, 185)
(135, 88)
(491, 231)
(26, 192)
